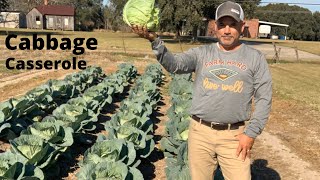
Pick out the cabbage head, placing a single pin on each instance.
(142, 13)
(14, 166)
(110, 150)
(108, 170)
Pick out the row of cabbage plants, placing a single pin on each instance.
(174, 142)
(129, 133)
(17, 114)
(39, 146)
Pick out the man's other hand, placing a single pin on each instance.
(143, 32)
(245, 145)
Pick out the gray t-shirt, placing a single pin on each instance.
(225, 83)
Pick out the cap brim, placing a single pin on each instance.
(230, 15)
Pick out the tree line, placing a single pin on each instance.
(303, 24)
(180, 15)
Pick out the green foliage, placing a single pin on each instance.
(13, 166)
(177, 167)
(109, 170)
(113, 14)
(37, 151)
(96, 97)
(129, 132)
(143, 143)
(3, 4)
(79, 118)
(316, 25)
(51, 132)
(135, 115)
(41, 143)
(176, 133)
(110, 150)
(300, 20)
(17, 114)
(175, 14)
(128, 70)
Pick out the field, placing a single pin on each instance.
(287, 149)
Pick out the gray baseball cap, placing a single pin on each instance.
(231, 9)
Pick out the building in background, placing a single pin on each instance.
(12, 20)
(254, 28)
(51, 17)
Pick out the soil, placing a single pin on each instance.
(288, 148)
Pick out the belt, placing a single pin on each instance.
(218, 126)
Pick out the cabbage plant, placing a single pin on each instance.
(37, 151)
(62, 91)
(13, 166)
(51, 132)
(97, 97)
(109, 170)
(177, 167)
(176, 133)
(127, 69)
(111, 150)
(143, 143)
(79, 118)
(133, 113)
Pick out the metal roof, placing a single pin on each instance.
(274, 24)
(56, 10)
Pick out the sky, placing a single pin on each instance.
(312, 8)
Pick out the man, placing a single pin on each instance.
(229, 76)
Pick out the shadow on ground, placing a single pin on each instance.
(261, 171)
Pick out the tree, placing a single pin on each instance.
(299, 19)
(316, 25)
(188, 14)
(249, 7)
(89, 13)
(113, 14)
(3, 4)
(23, 5)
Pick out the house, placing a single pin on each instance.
(12, 19)
(51, 17)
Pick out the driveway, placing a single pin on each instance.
(286, 53)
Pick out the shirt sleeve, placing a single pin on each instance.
(179, 63)
(262, 99)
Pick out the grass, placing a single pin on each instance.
(297, 81)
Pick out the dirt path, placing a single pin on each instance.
(160, 165)
(280, 160)
(286, 53)
(22, 76)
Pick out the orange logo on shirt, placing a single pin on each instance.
(223, 73)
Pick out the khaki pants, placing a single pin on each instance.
(207, 147)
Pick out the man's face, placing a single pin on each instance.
(228, 31)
